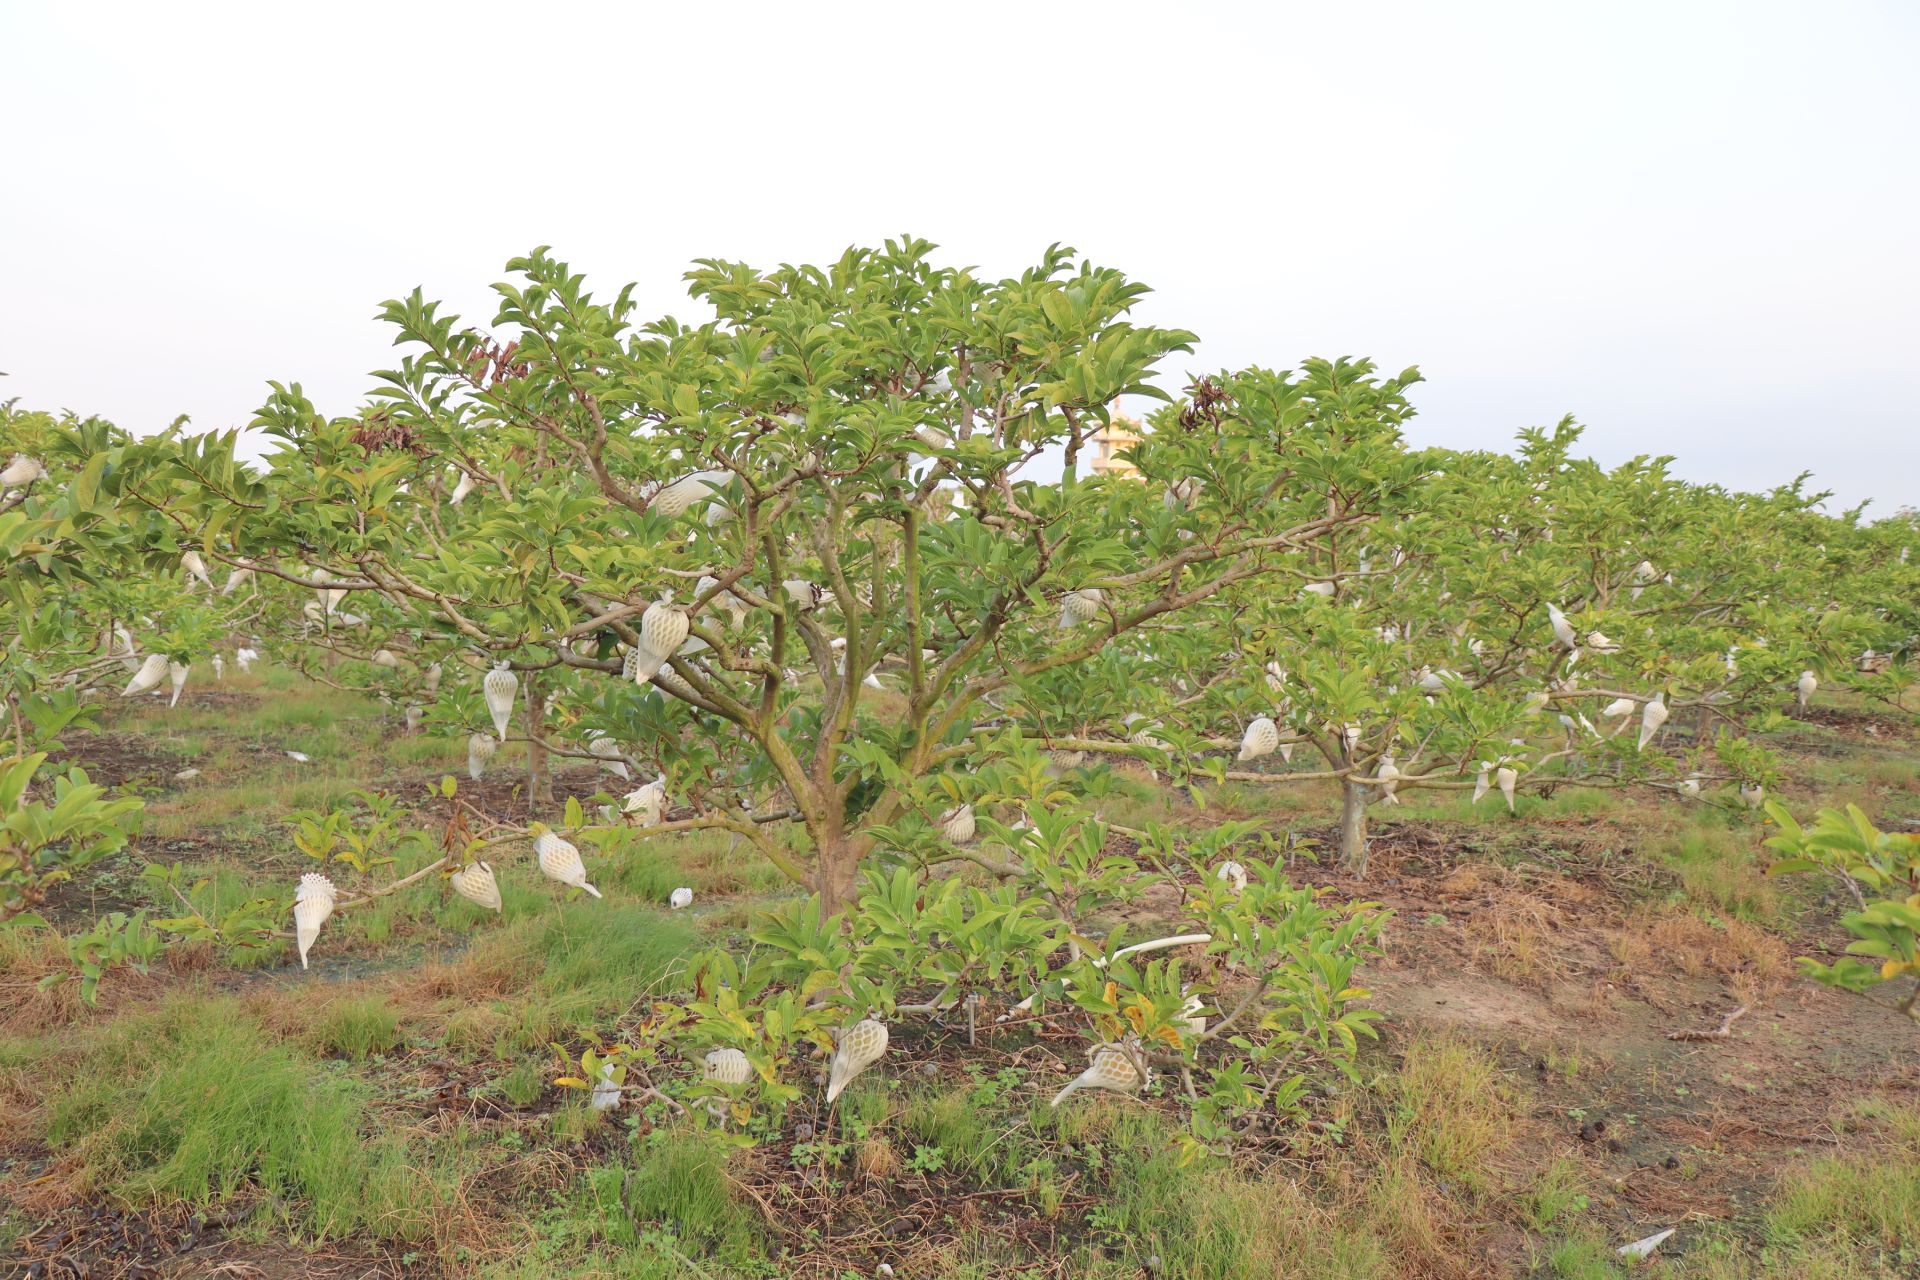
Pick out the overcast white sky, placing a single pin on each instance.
(1693, 225)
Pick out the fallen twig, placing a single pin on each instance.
(1725, 1030)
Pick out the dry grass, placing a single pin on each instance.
(1512, 917)
(1630, 949)
(27, 1008)
(1512, 940)
(482, 973)
(1281, 1231)
(189, 956)
(876, 1158)
(1408, 1214)
(1452, 1109)
(1756, 962)
(22, 1063)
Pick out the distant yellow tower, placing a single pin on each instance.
(1121, 433)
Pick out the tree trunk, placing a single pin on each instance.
(539, 775)
(1353, 827)
(836, 868)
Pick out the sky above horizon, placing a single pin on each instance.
(1690, 226)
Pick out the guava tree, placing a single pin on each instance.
(64, 542)
(823, 488)
(1881, 871)
(1507, 623)
(1869, 574)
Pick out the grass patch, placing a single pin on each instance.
(709, 863)
(1719, 870)
(561, 967)
(524, 1084)
(1721, 1256)
(193, 812)
(1579, 802)
(195, 1103)
(424, 748)
(1865, 1197)
(1451, 1109)
(678, 1183)
(1559, 1192)
(356, 1027)
(642, 870)
(647, 1221)
(1203, 1222)
(1583, 1258)
(951, 1121)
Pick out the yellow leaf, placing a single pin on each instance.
(1112, 993)
(571, 1083)
(1354, 993)
(818, 981)
(1168, 1034)
(1137, 1017)
(1893, 969)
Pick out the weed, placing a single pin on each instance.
(866, 1107)
(1582, 1258)
(1559, 1192)
(524, 1084)
(949, 1122)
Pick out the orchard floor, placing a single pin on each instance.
(1524, 1111)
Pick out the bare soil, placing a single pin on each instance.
(122, 759)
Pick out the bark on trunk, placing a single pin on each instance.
(1353, 827)
(539, 775)
(835, 869)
